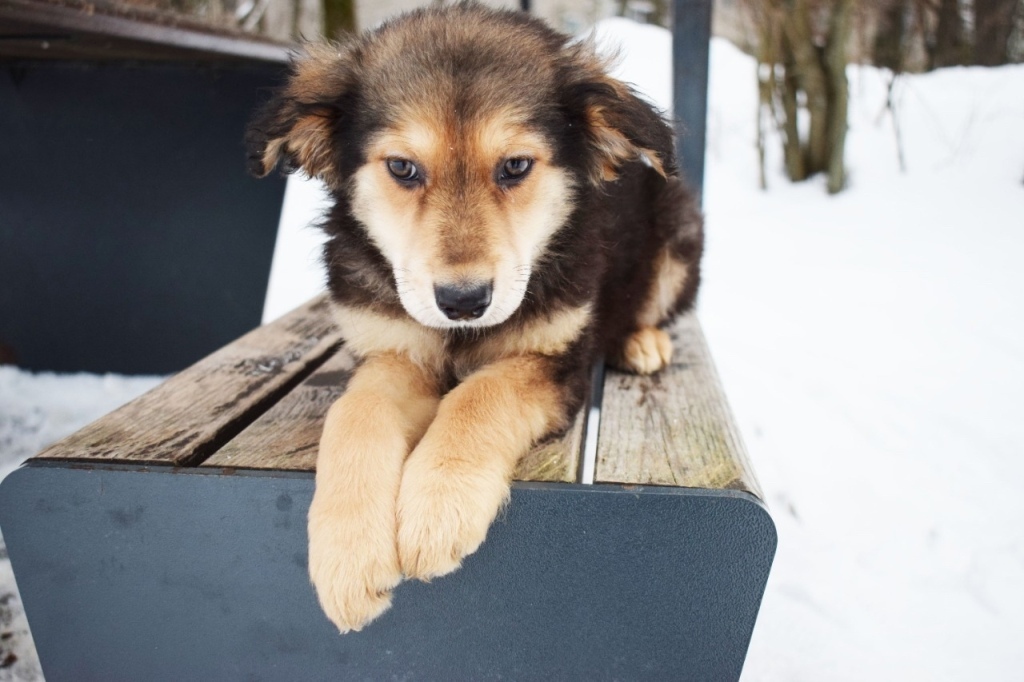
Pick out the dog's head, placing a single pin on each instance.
(461, 139)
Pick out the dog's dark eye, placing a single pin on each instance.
(403, 170)
(513, 170)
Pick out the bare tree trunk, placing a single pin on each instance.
(993, 23)
(811, 76)
(279, 20)
(890, 106)
(949, 35)
(813, 58)
(767, 78)
(889, 44)
(764, 103)
(309, 19)
(796, 164)
(841, 24)
(660, 15)
(339, 18)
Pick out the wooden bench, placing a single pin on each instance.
(167, 540)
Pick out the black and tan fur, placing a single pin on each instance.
(594, 248)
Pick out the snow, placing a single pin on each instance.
(296, 273)
(36, 410)
(871, 345)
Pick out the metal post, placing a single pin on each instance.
(691, 36)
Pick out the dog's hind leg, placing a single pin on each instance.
(458, 476)
(368, 433)
(675, 277)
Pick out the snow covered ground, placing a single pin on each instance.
(871, 344)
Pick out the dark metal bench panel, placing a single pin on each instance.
(691, 44)
(134, 575)
(195, 412)
(133, 239)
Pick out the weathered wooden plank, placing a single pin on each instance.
(287, 435)
(556, 460)
(674, 428)
(195, 412)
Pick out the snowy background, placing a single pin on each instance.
(872, 347)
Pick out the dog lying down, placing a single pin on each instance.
(505, 213)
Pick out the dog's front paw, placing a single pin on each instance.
(353, 564)
(647, 350)
(444, 511)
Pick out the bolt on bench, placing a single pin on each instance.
(166, 541)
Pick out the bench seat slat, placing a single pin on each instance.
(556, 460)
(196, 411)
(675, 427)
(259, 403)
(287, 435)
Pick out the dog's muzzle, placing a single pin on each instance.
(463, 301)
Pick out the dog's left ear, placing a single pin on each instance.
(296, 124)
(620, 126)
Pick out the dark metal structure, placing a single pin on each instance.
(691, 40)
(127, 218)
(129, 573)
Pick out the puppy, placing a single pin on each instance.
(505, 214)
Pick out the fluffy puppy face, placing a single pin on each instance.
(460, 140)
(461, 209)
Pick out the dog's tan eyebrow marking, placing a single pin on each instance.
(505, 135)
(421, 139)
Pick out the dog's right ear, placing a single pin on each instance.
(296, 125)
(620, 126)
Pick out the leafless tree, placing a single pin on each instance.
(993, 25)
(802, 56)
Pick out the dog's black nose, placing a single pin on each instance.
(463, 302)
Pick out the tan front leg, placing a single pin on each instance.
(368, 433)
(458, 476)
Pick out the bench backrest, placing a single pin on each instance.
(691, 38)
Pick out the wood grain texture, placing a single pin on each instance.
(286, 437)
(556, 460)
(673, 428)
(193, 413)
(259, 403)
